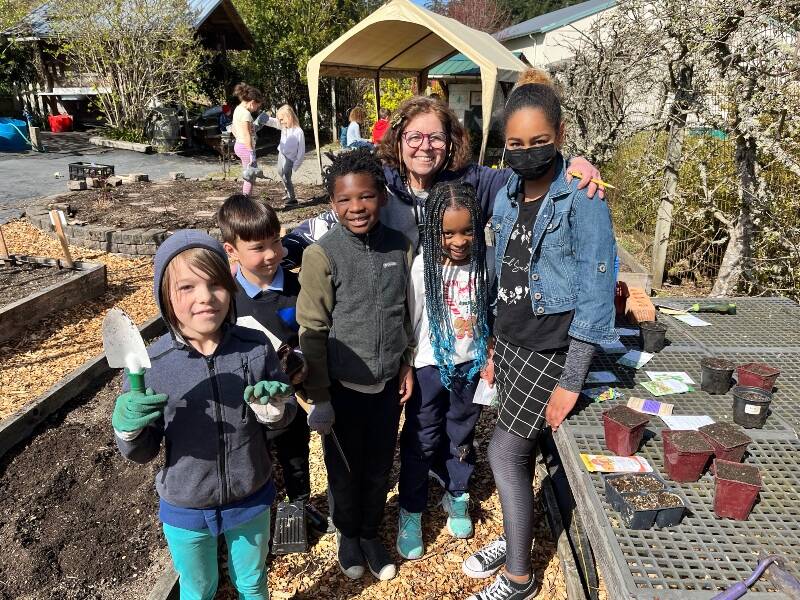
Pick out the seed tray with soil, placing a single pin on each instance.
(643, 510)
(616, 485)
(686, 454)
(624, 429)
(181, 204)
(78, 521)
(729, 442)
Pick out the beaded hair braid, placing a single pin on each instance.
(444, 196)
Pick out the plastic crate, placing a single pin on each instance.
(81, 170)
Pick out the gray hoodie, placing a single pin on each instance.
(215, 448)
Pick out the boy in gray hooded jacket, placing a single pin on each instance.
(218, 385)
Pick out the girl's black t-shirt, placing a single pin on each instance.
(516, 321)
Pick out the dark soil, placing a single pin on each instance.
(20, 280)
(636, 483)
(690, 441)
(643, 501)
(627, 417)
(668, 500)
(738, 472)
(726, 435)
(752, 396)
(718, 364)
(654, 326)
(78, 521)
(760, 369)
(181, 204)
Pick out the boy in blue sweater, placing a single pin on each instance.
(266, 295)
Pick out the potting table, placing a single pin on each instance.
(703, 555)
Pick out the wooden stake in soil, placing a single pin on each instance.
(3, 247)
(56, 217)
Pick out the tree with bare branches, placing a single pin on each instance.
(483, 15)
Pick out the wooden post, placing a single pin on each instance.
(334, 124)
(33, 134)
(3, 247)
(55, 218)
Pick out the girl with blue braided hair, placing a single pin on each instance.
(448, 295)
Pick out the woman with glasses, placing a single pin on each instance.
(425, 144)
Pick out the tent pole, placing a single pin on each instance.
(334, 124)
(377, 93)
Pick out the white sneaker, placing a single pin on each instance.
(485, 562)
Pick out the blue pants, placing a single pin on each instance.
(435, 415)
(194, 555)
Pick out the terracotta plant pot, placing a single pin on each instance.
(652, 336)
(736, 488)
(624, 429)
(751, 406)
(686, 454)
(728, 441)
(717, 375)
(758, 375)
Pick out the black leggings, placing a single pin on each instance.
(511, 458)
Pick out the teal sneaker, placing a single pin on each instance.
(409, 535)
(459, 523)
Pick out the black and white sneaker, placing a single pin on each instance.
(485, 562)
(379, 562)
(503, 588)
(348, 553)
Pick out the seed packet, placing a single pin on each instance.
(615, 464)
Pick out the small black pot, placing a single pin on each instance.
(652, 336)
(636, 518)
(672, 516)
(614, 496)
(717, 375)
(750, 406)
(661, 515)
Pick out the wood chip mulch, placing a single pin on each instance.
(50, 350)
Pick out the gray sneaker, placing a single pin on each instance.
(348, 553)
(503, 588)
(485, 562)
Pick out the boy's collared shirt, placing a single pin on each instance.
(252, 290)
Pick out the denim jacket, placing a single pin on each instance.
(572, 255)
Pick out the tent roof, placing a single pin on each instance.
(403, 39)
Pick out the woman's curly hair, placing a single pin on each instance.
(459, 153)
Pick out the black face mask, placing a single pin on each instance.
(531, 163)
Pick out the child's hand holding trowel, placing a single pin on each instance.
(138, 408)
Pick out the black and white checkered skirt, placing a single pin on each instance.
(525, 380)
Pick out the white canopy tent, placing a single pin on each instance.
(401, 39)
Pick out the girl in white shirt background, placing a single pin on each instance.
(291, 148)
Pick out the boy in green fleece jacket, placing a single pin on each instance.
(355, 332)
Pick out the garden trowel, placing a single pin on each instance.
(124, 347)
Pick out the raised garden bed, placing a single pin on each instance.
(34, 287)
(632, 272)
(134, 218)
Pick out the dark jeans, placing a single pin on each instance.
(366, 425)
(437, 418)
(291, 446)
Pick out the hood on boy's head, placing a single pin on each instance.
(182, 240)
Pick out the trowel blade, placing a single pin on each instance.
(122, 343)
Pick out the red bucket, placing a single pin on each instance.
(60, 123)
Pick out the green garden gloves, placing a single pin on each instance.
(135, 410)
(264, 391)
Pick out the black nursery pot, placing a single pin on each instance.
(652, 336)
(717, 375)
(660, 508)
(625, 483)
(750, 406)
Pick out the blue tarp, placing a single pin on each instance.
(12, 135)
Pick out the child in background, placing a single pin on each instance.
(448, 299)
(268, 293)
(381, 125)
(291, 148)
(355, 333)
(354, 139)
(555, 301)
(250, 101)
(219, 385)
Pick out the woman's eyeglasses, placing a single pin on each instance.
(414, 139)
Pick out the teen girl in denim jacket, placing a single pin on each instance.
(555, 254)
